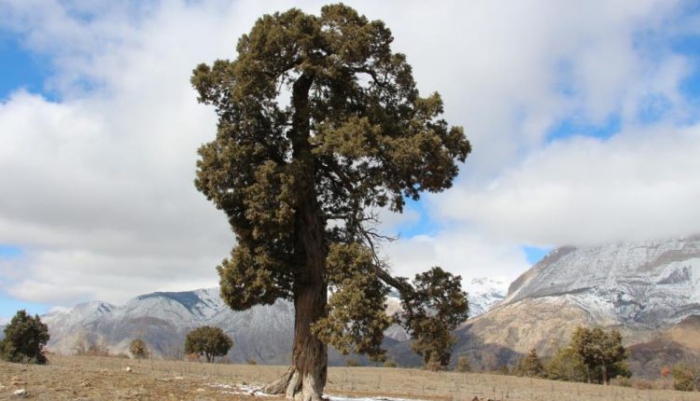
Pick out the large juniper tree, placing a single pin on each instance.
(320, 124)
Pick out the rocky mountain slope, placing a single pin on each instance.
(162, 319)
(679, 344)
(640, 288)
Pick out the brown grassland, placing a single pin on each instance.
(106, 378)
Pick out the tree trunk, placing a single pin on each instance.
(306, 378)
(604, 371)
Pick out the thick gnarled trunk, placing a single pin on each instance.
(306, 378)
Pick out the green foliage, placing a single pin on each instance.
(602, 353)
(530, 365)
(208, 341)
(566, 365)
(25, 338)
(432, 310)
(299, 179)
(462, 365)
(390, 364)
(356, 318)
(320, 125)
(138, 349)
(685, 377)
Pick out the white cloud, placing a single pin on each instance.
(636, 185)
(100, 182)
(459, 252)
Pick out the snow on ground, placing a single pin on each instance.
(245, 389)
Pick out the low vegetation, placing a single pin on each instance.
(138, 349)
(90, 346)
(25, 338)
(685, 377)
(592, 356)
(208, 341)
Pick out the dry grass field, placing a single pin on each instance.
(100, 378)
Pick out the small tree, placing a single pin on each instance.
(25, 338)
(530, 365)
(566, 365)
(463, 365)
(208, 341)
(138, 349)
(602, 353)
(434, 307)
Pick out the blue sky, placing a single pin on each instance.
(583, 119)
(9, 305)
(20, 68)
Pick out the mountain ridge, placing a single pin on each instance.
(162, 319)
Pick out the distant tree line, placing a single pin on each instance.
(592, 356)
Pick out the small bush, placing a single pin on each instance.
(138, 349)
(390, 364)
(25, 338)
(251, 361)
(623, 382)
(640, 384)
(463, 365)
(685, 378)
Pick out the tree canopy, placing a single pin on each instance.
(530, 365)
(320, 126)
(25, 338)
(601, 352)
(138, 349)
(433, 307)
(208, 341)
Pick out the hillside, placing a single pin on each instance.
(640, 288)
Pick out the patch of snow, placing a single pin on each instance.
(344, 398)
(484, 293)
(246, 389)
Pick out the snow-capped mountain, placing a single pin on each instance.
(640, 288)
(484, 293)
(653, 283)
(162, 319)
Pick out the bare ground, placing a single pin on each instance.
(100, 378)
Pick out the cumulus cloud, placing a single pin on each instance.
(583, 191)
(458, 251)
(99, 175)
